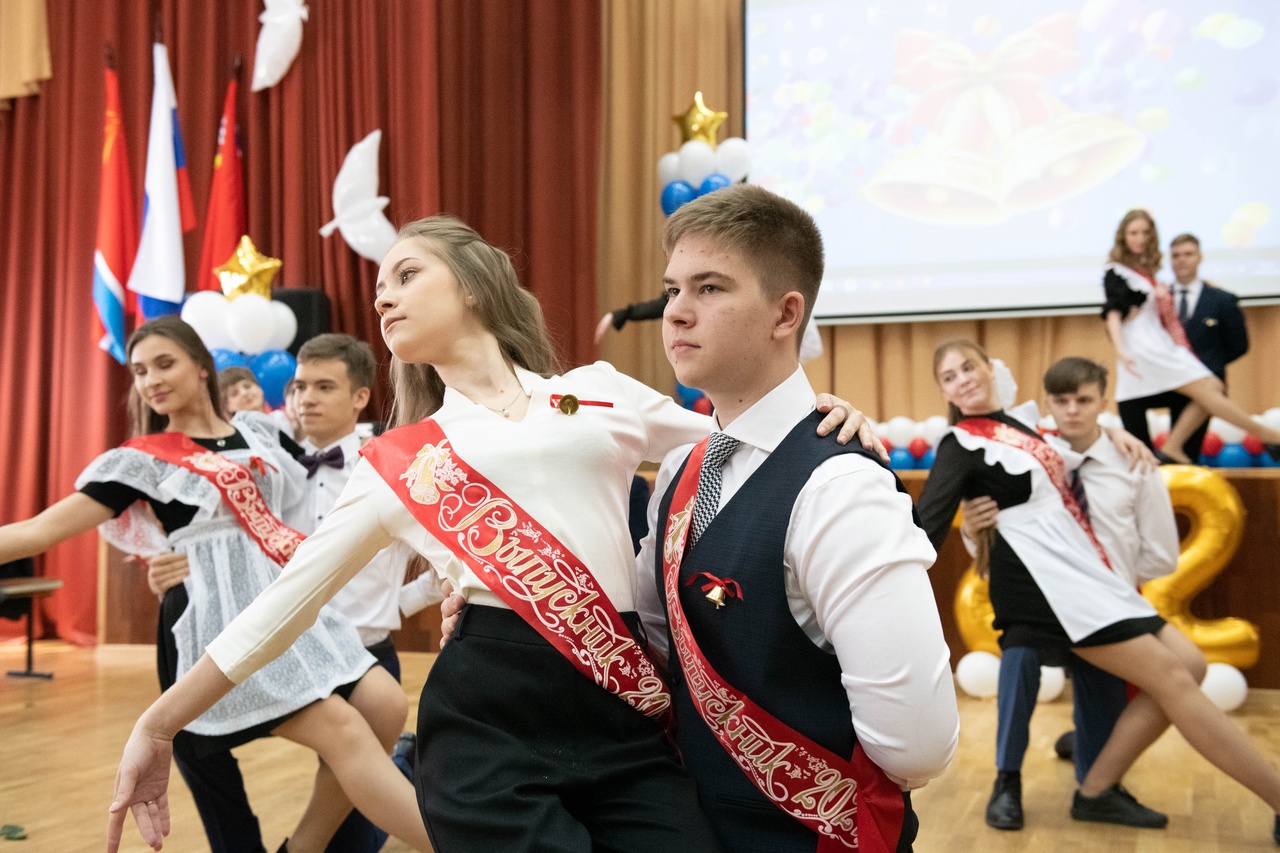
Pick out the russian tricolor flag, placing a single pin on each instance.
(159, 270)
(117, 229)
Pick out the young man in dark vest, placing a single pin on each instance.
(807, 658)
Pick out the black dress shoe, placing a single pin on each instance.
(406, 748)
(1004, 809)
(1065, 745)
(284, 846)
(1165, 459)
(1116, 805)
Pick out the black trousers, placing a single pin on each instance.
(518, 751)
(1133, 414)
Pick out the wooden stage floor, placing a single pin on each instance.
(60, 741)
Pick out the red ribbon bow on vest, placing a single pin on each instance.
(717, 589)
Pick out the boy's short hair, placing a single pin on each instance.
(1066, 376)
(1184, 238)
(777, 237)
(228, 377)
(355, 354)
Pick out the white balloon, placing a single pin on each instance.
(733, 158)
(286, 326)
(251, 323)
(1229, 433)
(668, 168)
(900, 430)
(1052, 680)
(278, 41)
(1225, 686)
(978, 674)
(1157, 422)
(697, 160)
(207, 312)
(1271, 417)
(357, 207)
(934, 429)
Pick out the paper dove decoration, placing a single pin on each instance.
(278, 41)
(357, 207)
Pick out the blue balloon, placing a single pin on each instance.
(1264, 460)
(675, 194)
(274, 368)
(224, 358)
(687, 396)
(900, 459)
(1234, 456)
(1208, 461)
(714, 181)
(925, 462)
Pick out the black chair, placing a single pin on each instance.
(19, 588)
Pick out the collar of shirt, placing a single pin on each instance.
(762, 428)
(350, 444)
(1102, 451)
(1194, 290)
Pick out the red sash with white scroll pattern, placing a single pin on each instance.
(1049, 459)
(519, 560)
(236, 485)
(849, 802)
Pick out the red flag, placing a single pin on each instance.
(117, 231)
(225, 221)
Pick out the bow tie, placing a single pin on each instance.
(332, 458)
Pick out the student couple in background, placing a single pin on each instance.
(828, 644)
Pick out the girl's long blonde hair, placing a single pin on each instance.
(983, 539)
(1151, 258)
(506, 309)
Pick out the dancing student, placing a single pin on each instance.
(1130, 511)
(1152, 352)
(334, 379)
(515, 491)
(1215, 329)
(216, 488)
(1052, 586)
(822, 635)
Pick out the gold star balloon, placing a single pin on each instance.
(247, 271)
(699, 123)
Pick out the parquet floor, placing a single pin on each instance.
(60, 740)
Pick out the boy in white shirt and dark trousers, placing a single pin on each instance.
(806, 650)
(1131, 513)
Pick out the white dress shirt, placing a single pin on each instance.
(1130, 512)
(372, 599)
(1194, 289)
(857, 583)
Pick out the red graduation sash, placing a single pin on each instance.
(236, 485)
(850, 803)
(1049, 459)
(519, 560)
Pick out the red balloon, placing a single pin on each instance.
(1212, 444)
(1252, 444)
(1160, 439)
(919, 446)
(888, 445)
(702, 406)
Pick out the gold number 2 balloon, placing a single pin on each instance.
(1217, 524)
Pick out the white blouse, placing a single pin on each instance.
(570, 472)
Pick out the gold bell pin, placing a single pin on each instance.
(568, 404)
(716, 596)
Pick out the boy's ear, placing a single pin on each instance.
(790, 314)
(361, 397)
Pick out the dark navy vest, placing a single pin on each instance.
(756, 645)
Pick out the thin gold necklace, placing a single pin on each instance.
(505, 410)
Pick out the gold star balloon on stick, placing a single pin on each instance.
(247, 271)
(700, 123)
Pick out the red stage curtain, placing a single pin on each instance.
(487, 110)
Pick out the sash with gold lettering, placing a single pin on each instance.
(1049, 459)
(519, 560)
(236, 485)
(849, 802)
